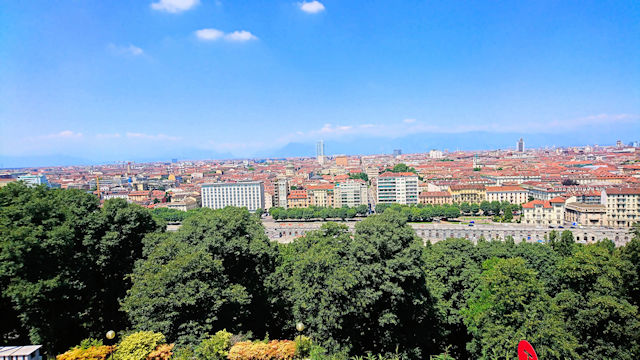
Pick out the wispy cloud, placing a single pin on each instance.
(65, 134)
(155, 137)
(174, 6)
(215, 34)
(130, 50)
(311, 7)
(409, 121)
(108, 136)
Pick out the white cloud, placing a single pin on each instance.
(209, 34)
(174, 6)
(158, 137)
(240, 36)
(108, 136)
(215, 34)
(65, 134)
(311, 7)
(409, 121)
(131, 50)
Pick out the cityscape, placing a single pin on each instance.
(319, 180)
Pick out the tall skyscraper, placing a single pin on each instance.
(320, 151)
(521, 145)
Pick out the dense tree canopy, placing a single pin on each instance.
(210, 275)
(64, 262)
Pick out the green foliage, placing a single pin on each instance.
(511, 304)
(361, 176)
(138, 345)
(364, 293)
(420, 212)
(209, 274)
(64, 262)
(317, 212)
(595, 304)
(303, 346)
(565, 246)
(89, 342)
(216, 347)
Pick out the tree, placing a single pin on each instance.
(64, 261)
(565, 246)
(485, 206)
(510, 304)
(360, 175)
(594, 303)
(211, 272)
(451, 274)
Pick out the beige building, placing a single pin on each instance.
(545, 213)
(623, 206)
(298, 199)
(512, 194)
(585, 214)
(473, 194)
(435, 197)
(351, 193)
(183, 205)
(321, 195)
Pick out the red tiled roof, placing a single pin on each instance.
(427, 194)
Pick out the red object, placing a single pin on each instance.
(526, 352)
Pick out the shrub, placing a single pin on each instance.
(216, 347)
(138, 346)
(273, 350)
(89, 353)
(162, 352)
(303, 346)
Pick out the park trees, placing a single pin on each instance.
(212, 272)
(595, 305)
(65, 260)
(511, 304)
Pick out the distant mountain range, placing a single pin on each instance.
(415, 143)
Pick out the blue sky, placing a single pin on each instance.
(130, 80)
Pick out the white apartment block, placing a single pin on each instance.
(350, 193)
(249, 194)
(401, 188)
(622, 206)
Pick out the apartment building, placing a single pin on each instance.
(623, 206)
(585, 214)
(321, 195)
(544, 213)
(473, 194)
(34, 180)
(280, 192)
(401, 188)
(351, 193)
(249, 194)
(298, 199)
(513, 194)
(435, 197)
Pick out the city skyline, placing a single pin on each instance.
(159, 79)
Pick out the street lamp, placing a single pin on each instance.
(300, 326)
(111, 334)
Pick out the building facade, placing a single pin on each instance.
(513, 194)
(400, 188)
(473, 194)
(585, 214)
(623, 206)
(249, 194)
(435, 197)
(351, 193)
(544, 213)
